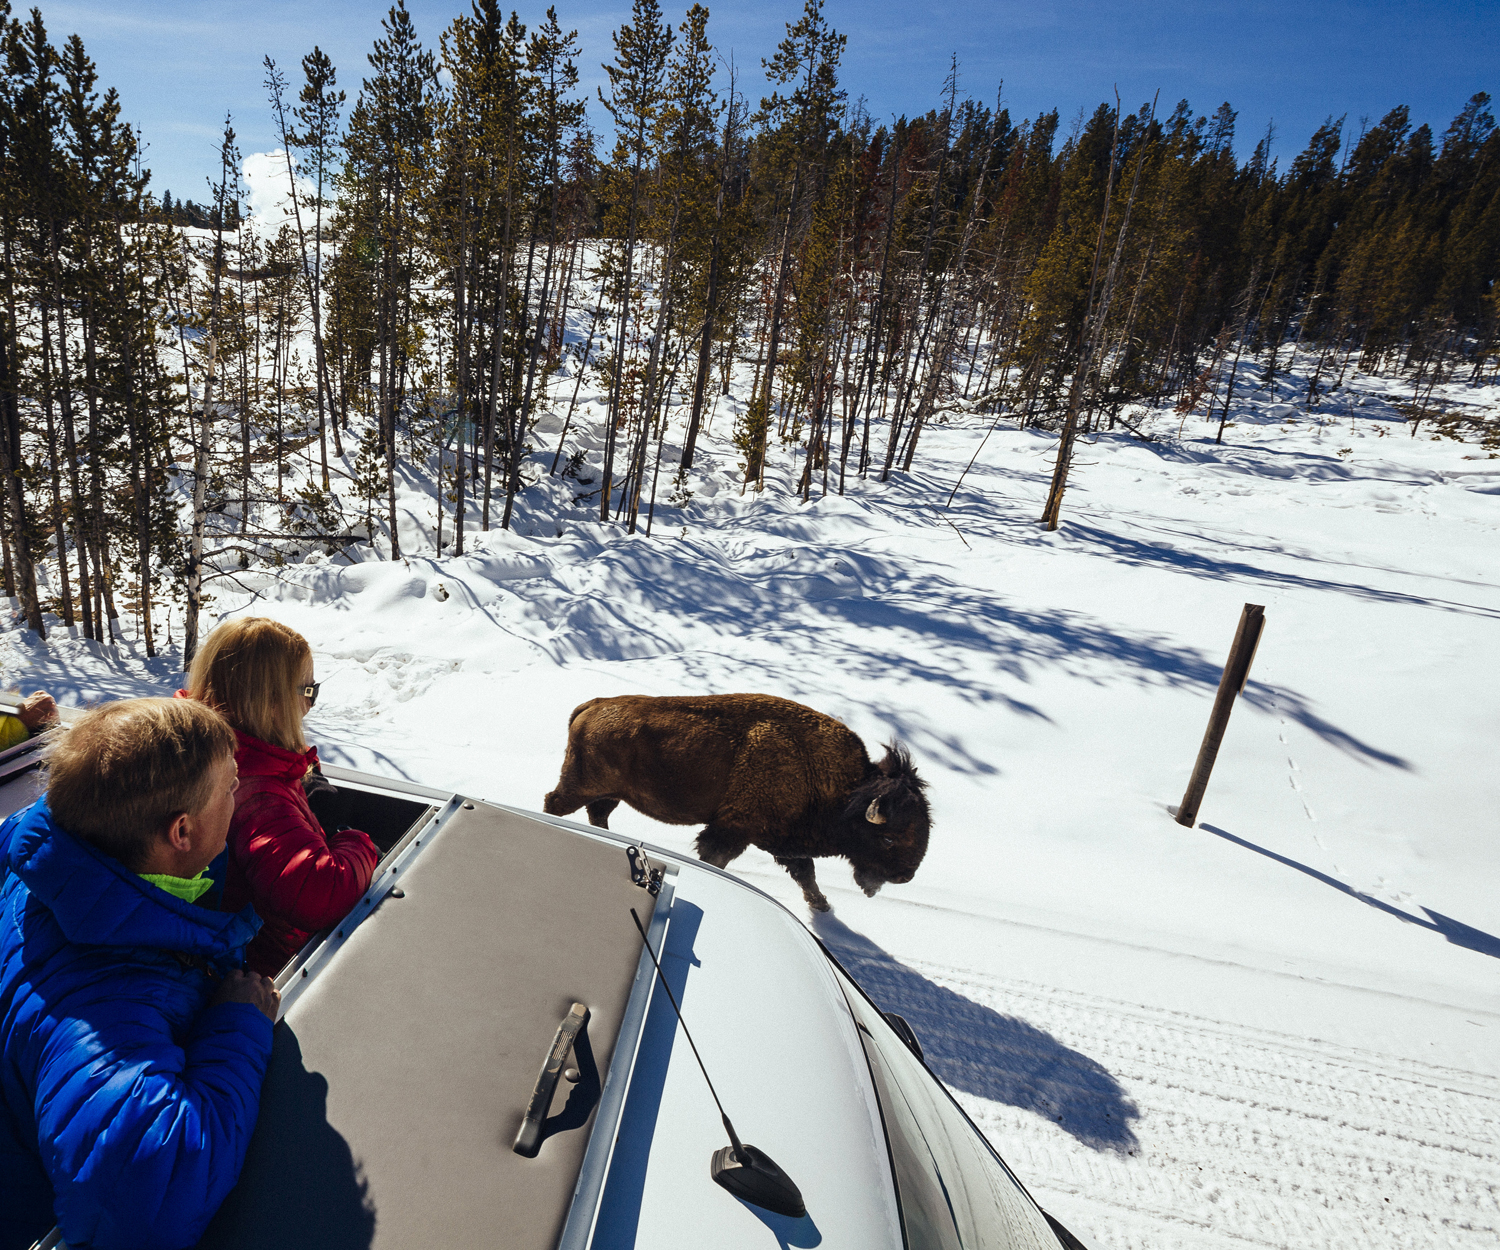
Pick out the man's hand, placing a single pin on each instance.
(252, 988)
(37, 710)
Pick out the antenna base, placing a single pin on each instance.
(753, 1177)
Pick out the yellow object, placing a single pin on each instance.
(12, 731)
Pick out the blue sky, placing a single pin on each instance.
(179, 64)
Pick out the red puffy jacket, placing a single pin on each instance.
(298, 880)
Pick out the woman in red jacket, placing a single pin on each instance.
(258, 673)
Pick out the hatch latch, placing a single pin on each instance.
(641, 871)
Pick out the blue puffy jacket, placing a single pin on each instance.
(125, 1107)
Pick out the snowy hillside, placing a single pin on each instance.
(1281, 1028)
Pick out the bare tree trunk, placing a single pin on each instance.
(70, 447)
(138, 421)
(755, 466)
(310, 274)
(1085, 356)
(200, 491)
(15, 498)
(460, 372)
(711, 295)
(658, 346)
(583, 362)
(611, 416)
(54, 477)
(498, 353)
(1249, 298)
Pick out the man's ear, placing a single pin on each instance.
(179, 833)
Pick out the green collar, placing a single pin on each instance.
(188, 889)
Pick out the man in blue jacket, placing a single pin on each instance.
(132, 1047)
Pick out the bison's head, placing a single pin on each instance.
(888, 819)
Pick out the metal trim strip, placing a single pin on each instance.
(376, 783)
(588, 1192)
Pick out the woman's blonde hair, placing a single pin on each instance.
(251, 671)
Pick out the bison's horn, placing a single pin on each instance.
(872, 813)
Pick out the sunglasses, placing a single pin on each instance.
(310, 692)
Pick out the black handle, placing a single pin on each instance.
(529, 1139)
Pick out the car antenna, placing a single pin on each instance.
(749, 1174)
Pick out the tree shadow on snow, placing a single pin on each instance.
(913, 624)
(985, 1053)
(1458, 933)
(1125, 549)
(1174, 546)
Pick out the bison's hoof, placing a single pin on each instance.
(819, 904)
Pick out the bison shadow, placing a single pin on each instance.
(980, 1051)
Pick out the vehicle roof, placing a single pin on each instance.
(769, 1018)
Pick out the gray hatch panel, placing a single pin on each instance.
(400, 1075)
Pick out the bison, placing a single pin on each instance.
(753, 770)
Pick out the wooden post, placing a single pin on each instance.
(1236, 673)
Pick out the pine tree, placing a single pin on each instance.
(636, 80)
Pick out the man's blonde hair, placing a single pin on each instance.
(125, 771)
(250, 670)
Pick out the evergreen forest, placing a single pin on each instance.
(188, 392)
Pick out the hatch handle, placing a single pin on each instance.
(529, 1139)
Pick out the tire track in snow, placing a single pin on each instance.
(1250, 1138)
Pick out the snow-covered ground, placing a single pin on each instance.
(1280, 1028)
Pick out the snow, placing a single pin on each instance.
(266, 197)
(1280, 1028)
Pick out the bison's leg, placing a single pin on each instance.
(803, 874)
(718, 845)
(599, 811)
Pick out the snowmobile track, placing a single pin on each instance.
(1246, 1137)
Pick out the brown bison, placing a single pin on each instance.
(753, 770)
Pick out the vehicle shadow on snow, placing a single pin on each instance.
(981, 1051)
(1458, 933)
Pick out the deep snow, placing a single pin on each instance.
(1280, 1028)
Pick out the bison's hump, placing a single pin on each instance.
(733, 715)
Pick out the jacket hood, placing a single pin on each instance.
(257, 758)
(99, 902)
